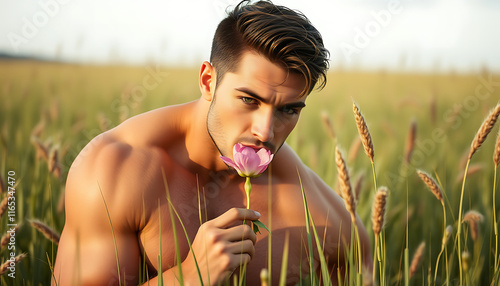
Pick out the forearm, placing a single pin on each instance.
(172, 277)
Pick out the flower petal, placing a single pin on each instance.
(238, 148)
(264, 155)
(229, 162)
(263, 166)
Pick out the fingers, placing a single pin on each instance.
(233, 215)
(242, 247)
(239, 233)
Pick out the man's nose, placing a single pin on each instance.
(262, 126)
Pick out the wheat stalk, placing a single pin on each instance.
(480, 137)
(410, 141)
(345, 185)
(325, 118)
(41, 149)
(496, 154)
(46, 230)
(378, 217)
(496, 160)
(5, 267)
(432, 185)
(363, 132)
(472, 169)
(3, 204)
(484, 130)
(6, 237)
(446, 236)
(472, 215)
(473, 218)
(53, 162)
(378, 211)
(417, 258)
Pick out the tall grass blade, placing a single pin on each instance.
(160, 266)
(308, 229)
(284, 262)
(113, 233)
(174, 231)
(269, 222)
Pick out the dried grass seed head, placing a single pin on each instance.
(378, 211)
(496, 153)
(364, 133)
(345, 184)
(431, 184)
(484, 130)
(417, 258)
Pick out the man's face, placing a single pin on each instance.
(258, 105)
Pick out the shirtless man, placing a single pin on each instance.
(265, 60)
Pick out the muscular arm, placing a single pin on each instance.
(93, 244)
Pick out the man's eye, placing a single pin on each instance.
(248, 100)
(289, 110)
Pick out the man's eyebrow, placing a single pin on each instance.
(251, 93)
(298, 104)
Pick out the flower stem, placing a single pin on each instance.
(248, 190)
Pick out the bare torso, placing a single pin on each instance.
(148, 162)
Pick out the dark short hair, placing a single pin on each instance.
(282, 35)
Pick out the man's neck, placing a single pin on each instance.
(203, 155)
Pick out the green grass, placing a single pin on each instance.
(73, 101)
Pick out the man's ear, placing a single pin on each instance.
(207, 81)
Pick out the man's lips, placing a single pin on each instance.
(255, 147)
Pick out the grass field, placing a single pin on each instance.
(62, 107)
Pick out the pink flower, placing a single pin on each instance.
(247, 161)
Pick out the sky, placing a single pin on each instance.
(425, 35)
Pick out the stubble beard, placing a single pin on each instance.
(212, 123)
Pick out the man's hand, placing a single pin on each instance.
(221, 245)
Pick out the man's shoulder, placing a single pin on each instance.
(287, 165)
(110, 158)
(288, 168)
(111, 170)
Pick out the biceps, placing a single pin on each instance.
(94, 260)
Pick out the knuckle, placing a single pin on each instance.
(247, 257)
(219, 248)
(234, 212)
(247, 231)
(225, 261)
(212, 236)
(250, 245)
